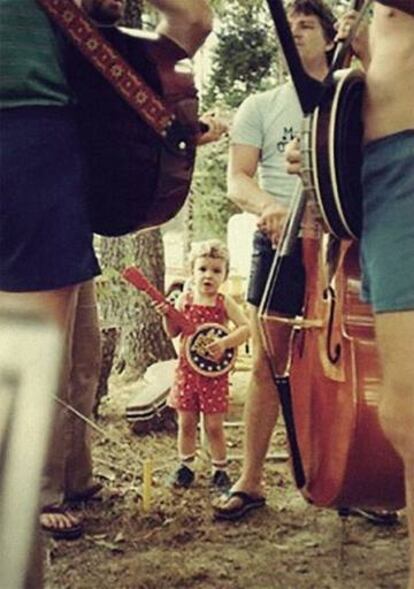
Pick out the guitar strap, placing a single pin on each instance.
(94, 47)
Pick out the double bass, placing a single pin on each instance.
(331, 388)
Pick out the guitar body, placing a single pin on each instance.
(137, 178)
(336, 154)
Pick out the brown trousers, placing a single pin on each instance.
(68, 468)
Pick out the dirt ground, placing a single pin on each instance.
(176, 544)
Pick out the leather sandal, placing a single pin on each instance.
(71, 532)
(376, 517)
(246, 503)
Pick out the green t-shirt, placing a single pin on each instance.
(31, 57)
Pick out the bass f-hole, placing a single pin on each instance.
(335, 353)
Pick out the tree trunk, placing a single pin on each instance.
(188, 228)
(109, 340)
(142, 338)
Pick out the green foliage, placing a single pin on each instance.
(243, 60)
(211, 207)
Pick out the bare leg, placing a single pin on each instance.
(187, 22)
(53, 479)
(85, 358)
(54, 303)
(187, 433)
(183, 476)
(58, 305)
(216, 436)
(261, 410)
(395, 333)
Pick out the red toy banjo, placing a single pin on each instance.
(196, 339)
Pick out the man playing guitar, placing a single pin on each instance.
(46, 251)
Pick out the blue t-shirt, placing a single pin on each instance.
(269, 121)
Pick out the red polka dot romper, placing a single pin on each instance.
(192, 391)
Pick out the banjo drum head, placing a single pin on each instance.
(347, 150)
(198, 357)
(336, 154)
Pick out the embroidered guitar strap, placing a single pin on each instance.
(126, 81)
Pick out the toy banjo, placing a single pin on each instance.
(196, 340)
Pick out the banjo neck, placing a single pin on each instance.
(309, 90)
(133, 275)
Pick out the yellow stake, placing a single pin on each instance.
(147, 482)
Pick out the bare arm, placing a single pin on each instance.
(244, 190)
(242, 330)
(360, 43)
(187, 22)
(404, 5)
(239, 335)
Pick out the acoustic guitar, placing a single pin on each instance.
(136, 104)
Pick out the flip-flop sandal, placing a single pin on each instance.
(72, 532)
(92, 493)
(376, 517)
(247, 503)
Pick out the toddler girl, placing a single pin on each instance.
(193, 393)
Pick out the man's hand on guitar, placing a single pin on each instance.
(216, 128)
(104, 12)
(360, 42)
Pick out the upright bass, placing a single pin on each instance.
(330, 391)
